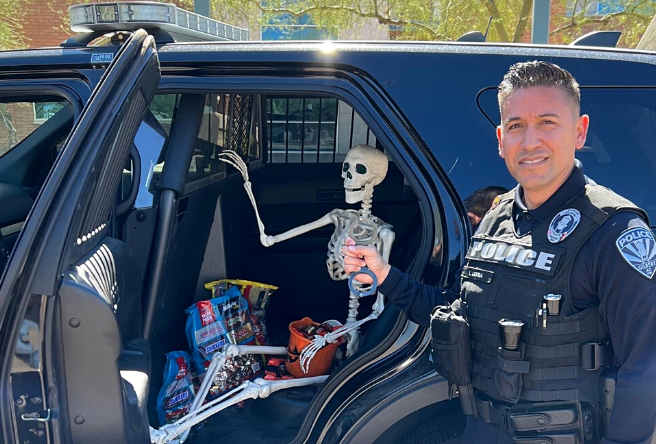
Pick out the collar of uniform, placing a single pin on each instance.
(572, 186)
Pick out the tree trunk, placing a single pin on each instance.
(496, 18)
(524, 13)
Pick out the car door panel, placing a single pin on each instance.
(98, 364)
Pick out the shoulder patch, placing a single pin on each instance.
(638, 248)
(563, 224)
(495, 202)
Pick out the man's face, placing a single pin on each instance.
(540, 131)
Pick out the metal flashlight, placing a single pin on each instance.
(510, 331)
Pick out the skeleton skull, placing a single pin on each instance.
(363, 169)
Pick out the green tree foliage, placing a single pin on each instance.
(446, 20)
(582, 16)
(12, 14)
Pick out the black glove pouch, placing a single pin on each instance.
(451, 345)
(508, 377)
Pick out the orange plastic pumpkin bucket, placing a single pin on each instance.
(320, 363)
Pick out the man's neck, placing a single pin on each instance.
(534, 198)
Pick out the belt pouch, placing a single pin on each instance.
(451, 345)
(508, 376)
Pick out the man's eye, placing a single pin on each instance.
(548, 122)
(514, 126)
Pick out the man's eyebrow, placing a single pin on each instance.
(515, 118)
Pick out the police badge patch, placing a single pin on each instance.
(563, 224)
(638, 247)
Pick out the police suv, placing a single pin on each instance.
(116, 209)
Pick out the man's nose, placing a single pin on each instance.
(532, 138)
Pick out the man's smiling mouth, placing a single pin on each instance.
(535, 161)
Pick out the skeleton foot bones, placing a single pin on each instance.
(259, 388)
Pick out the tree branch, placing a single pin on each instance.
(357, 12)
(496, 18)
(597, 21)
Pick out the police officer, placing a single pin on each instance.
(560, 235)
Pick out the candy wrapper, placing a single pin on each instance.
(234, 372)
(210, 326)
(310, 331)
(177, 393)
(275, 370)
(256, 294)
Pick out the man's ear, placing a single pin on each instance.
(582, 125)
(500, 144)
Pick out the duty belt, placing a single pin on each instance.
(540, 423)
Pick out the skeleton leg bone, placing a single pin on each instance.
(353, 339)
(259, 388)
(217, 362)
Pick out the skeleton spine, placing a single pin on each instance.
(365, 209)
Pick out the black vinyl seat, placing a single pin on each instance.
(101, 302)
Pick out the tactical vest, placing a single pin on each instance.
(507, 276)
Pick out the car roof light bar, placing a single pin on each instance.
(129, 16)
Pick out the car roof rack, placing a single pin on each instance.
(165, 21)
(606, 39)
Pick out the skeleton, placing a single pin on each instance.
(363, 169)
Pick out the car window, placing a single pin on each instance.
(230, 121)
(20, 118)
(329, 128)
(620, 150)
(313, 129)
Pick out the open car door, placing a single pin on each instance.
(74, 365)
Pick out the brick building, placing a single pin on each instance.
(46, 23)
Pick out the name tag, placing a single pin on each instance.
(544, 260)
(477, 274)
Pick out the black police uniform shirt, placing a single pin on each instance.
(601, 277)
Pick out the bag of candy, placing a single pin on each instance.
(212, 324)
(256, 294)
(177, 393)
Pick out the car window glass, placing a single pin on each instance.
(619, 152)
(19, 119)
(313, 129)
(150, 141)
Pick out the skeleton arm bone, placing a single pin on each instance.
(232, 158)
(322, 222)
(351, 327)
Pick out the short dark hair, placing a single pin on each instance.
(538, 73)
(481, 200)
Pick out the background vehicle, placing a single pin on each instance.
(116, 212)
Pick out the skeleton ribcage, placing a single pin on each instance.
(335, 261)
